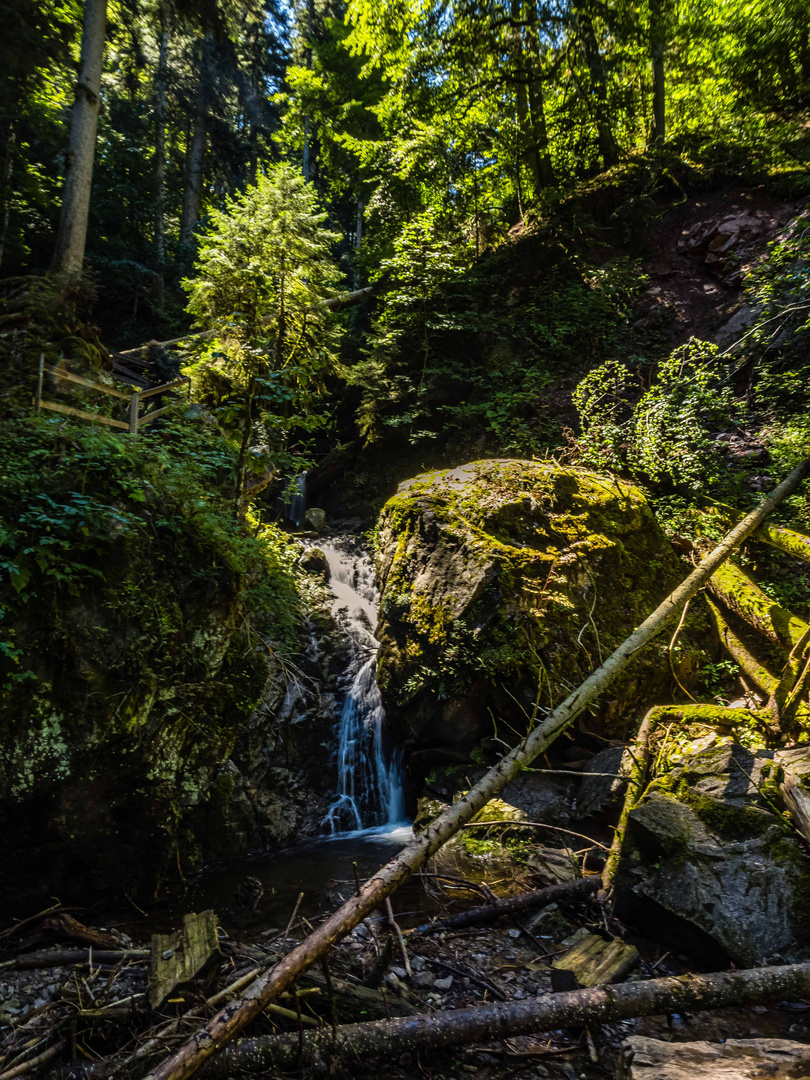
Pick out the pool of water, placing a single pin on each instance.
(322, 870)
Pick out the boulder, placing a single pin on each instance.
(501, 574)
(713, 863)
(598, 789)
(314, 561)
(734, 1059)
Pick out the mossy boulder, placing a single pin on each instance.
(712, 860)
(505, 582)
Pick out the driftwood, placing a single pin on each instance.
(509, 905)
(599, 1005)
(734, 1059)
(234, 1017)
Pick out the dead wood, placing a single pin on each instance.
(334, 303)
(59, 957)
(234, 1017)
(568, 891)
(759, 675)
(787, 540)
(599, 1005)
(639, 763)
(741, 594)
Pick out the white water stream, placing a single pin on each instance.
(370, 790)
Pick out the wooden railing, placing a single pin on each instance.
(135, 420)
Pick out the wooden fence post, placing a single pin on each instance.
(134, 404)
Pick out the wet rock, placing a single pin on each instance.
(548, 922)
(314, 561)
(488, 567)
(734, 1059)
(551, 866)
(315, 518)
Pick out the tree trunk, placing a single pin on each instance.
(306, 164)
(192, 199)
(530, 108)
(501, 1020)
(608, 148)
(657, 42)
(160, 153)
(5, 185)
(233, 1018)
(71, 237)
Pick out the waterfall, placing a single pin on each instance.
(369, 789)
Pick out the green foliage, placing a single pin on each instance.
(660, 434)
(263, 269)
(156, 527)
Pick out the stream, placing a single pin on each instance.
(366, 823)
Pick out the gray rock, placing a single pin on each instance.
(745, 894)
(485, 567)
(315, 518)
(734, 1059)
(598, 793)
(444, 984)
(423, 980)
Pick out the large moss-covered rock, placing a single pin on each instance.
(711, 859)
(503, 581)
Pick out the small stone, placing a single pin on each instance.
(417, 963)
(444, 984)
(167, 954)
(423, 980)
(513, 933)
(393, 983)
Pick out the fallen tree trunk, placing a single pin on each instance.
(787, 540)
(743, 596)
(509, 905)
(640, 755)
(759, 675)
(599, 1005)
(234, 1017)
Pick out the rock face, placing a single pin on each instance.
(132, 757)
(504, 582)
(735, 1059)
(712, 861)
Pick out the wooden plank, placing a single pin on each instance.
(155, 414)
(592, 961)
(70, 377)
(182, 956)
(68, 411)
(163, 388)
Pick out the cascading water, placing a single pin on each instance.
(370, 789)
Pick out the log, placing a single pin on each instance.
(743, 596)
(598, 1005)
(640, 760)
(509, 905)
(334, 303)
(233, 1018)
(787, 540)
(759, 675)
(78, 956)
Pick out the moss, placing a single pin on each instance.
(499, 569)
